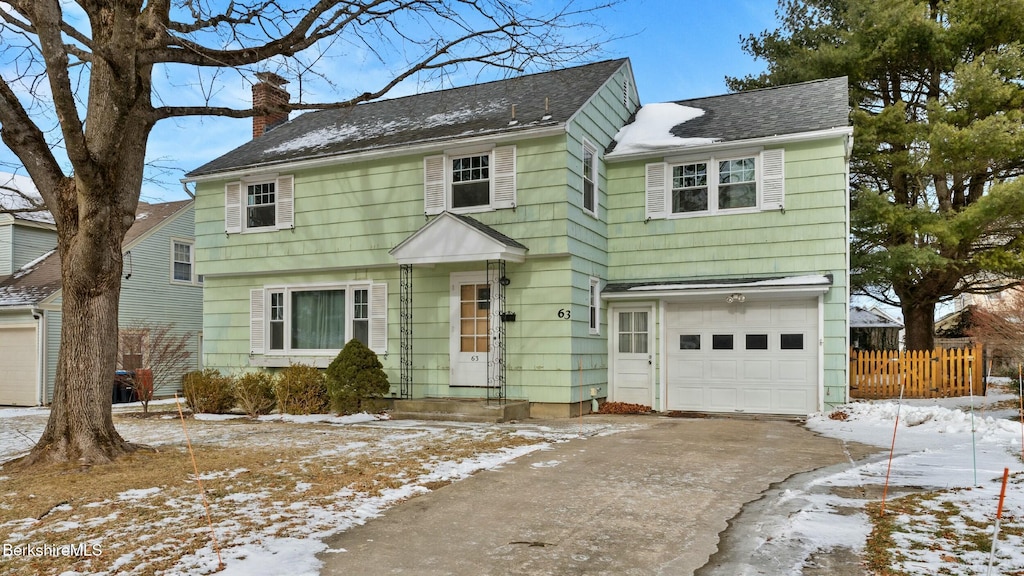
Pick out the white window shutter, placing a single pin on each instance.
(256, 325)
(433, 185)
(504, 194)
(233, 207)
(773, 184)
(656, 190)
(285, 202)
(379, 318)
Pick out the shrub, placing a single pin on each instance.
(355, 379)
(301, 389)
(208, 391)
(255, 393)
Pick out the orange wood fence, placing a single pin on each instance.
(938, 373)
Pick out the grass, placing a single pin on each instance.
(265, 479)
(935, 528)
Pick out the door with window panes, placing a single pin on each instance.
(472, 320)
(632, 356)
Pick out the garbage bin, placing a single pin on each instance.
(123, 384)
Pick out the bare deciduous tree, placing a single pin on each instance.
(160, 348)
(77, 79)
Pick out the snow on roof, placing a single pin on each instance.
(651, 130)
(19, 192)
(861, 317)
(327, 136)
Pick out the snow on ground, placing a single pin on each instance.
(250, 544)
(946, 450)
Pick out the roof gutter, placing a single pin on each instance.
(366, 155)
(746, 143)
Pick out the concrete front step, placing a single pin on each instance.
(460, 409)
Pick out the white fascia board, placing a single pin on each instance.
(424, 148)
(660, 153)
(795, 285)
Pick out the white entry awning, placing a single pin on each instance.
(457, 238)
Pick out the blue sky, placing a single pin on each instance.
(678, 48)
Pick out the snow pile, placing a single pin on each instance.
(651, 130)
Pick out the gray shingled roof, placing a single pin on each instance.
(476, 110)
(789, 109)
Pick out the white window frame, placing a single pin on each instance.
(261, 317)
(594, 305)
(712, 163)
(194, 279)
(439, 183)
(594, 181)
(769, 182)
(236, 204)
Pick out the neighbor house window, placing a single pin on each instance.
(319, 320)
(595, 306)
(590, 174)
(261, 205)
(183, 262)
(470, 181)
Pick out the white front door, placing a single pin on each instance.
(632, 356)
(472, 319)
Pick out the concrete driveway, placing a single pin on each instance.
(651, 500)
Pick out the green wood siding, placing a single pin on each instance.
(810, 237)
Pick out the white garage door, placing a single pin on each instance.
(756, 357)
(18, 366)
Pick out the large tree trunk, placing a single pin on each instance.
(919, 320)
(81, 427)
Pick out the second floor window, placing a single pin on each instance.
(471, 181)
(467, 181)
(589, 178)
(260, 205)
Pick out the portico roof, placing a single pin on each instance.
(457, 238)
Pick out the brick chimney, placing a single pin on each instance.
(268, 93)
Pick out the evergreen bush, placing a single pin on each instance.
(208, 391)
(301, 389)
(356, 380)
(255, 393)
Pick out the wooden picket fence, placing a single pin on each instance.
(938, 373)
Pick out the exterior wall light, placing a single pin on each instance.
(736, 298)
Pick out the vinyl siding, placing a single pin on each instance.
(30, 243)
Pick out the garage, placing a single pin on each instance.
(19, 386)
(742, 355)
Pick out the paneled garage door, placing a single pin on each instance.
(756, 357)
(18, 363)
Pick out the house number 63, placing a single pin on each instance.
(564, 314)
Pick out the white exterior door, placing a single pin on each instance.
(19, 385)
(471, 327)
(632, 356)
(756, 357)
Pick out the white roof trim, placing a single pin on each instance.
(447, 239)
(750, 142)
(815, 284)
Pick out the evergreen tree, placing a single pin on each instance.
(937, 91)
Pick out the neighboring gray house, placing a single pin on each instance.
(160, 286)
(872, 329)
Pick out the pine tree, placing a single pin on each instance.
(937, 91)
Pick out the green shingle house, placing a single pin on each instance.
(543, 238)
